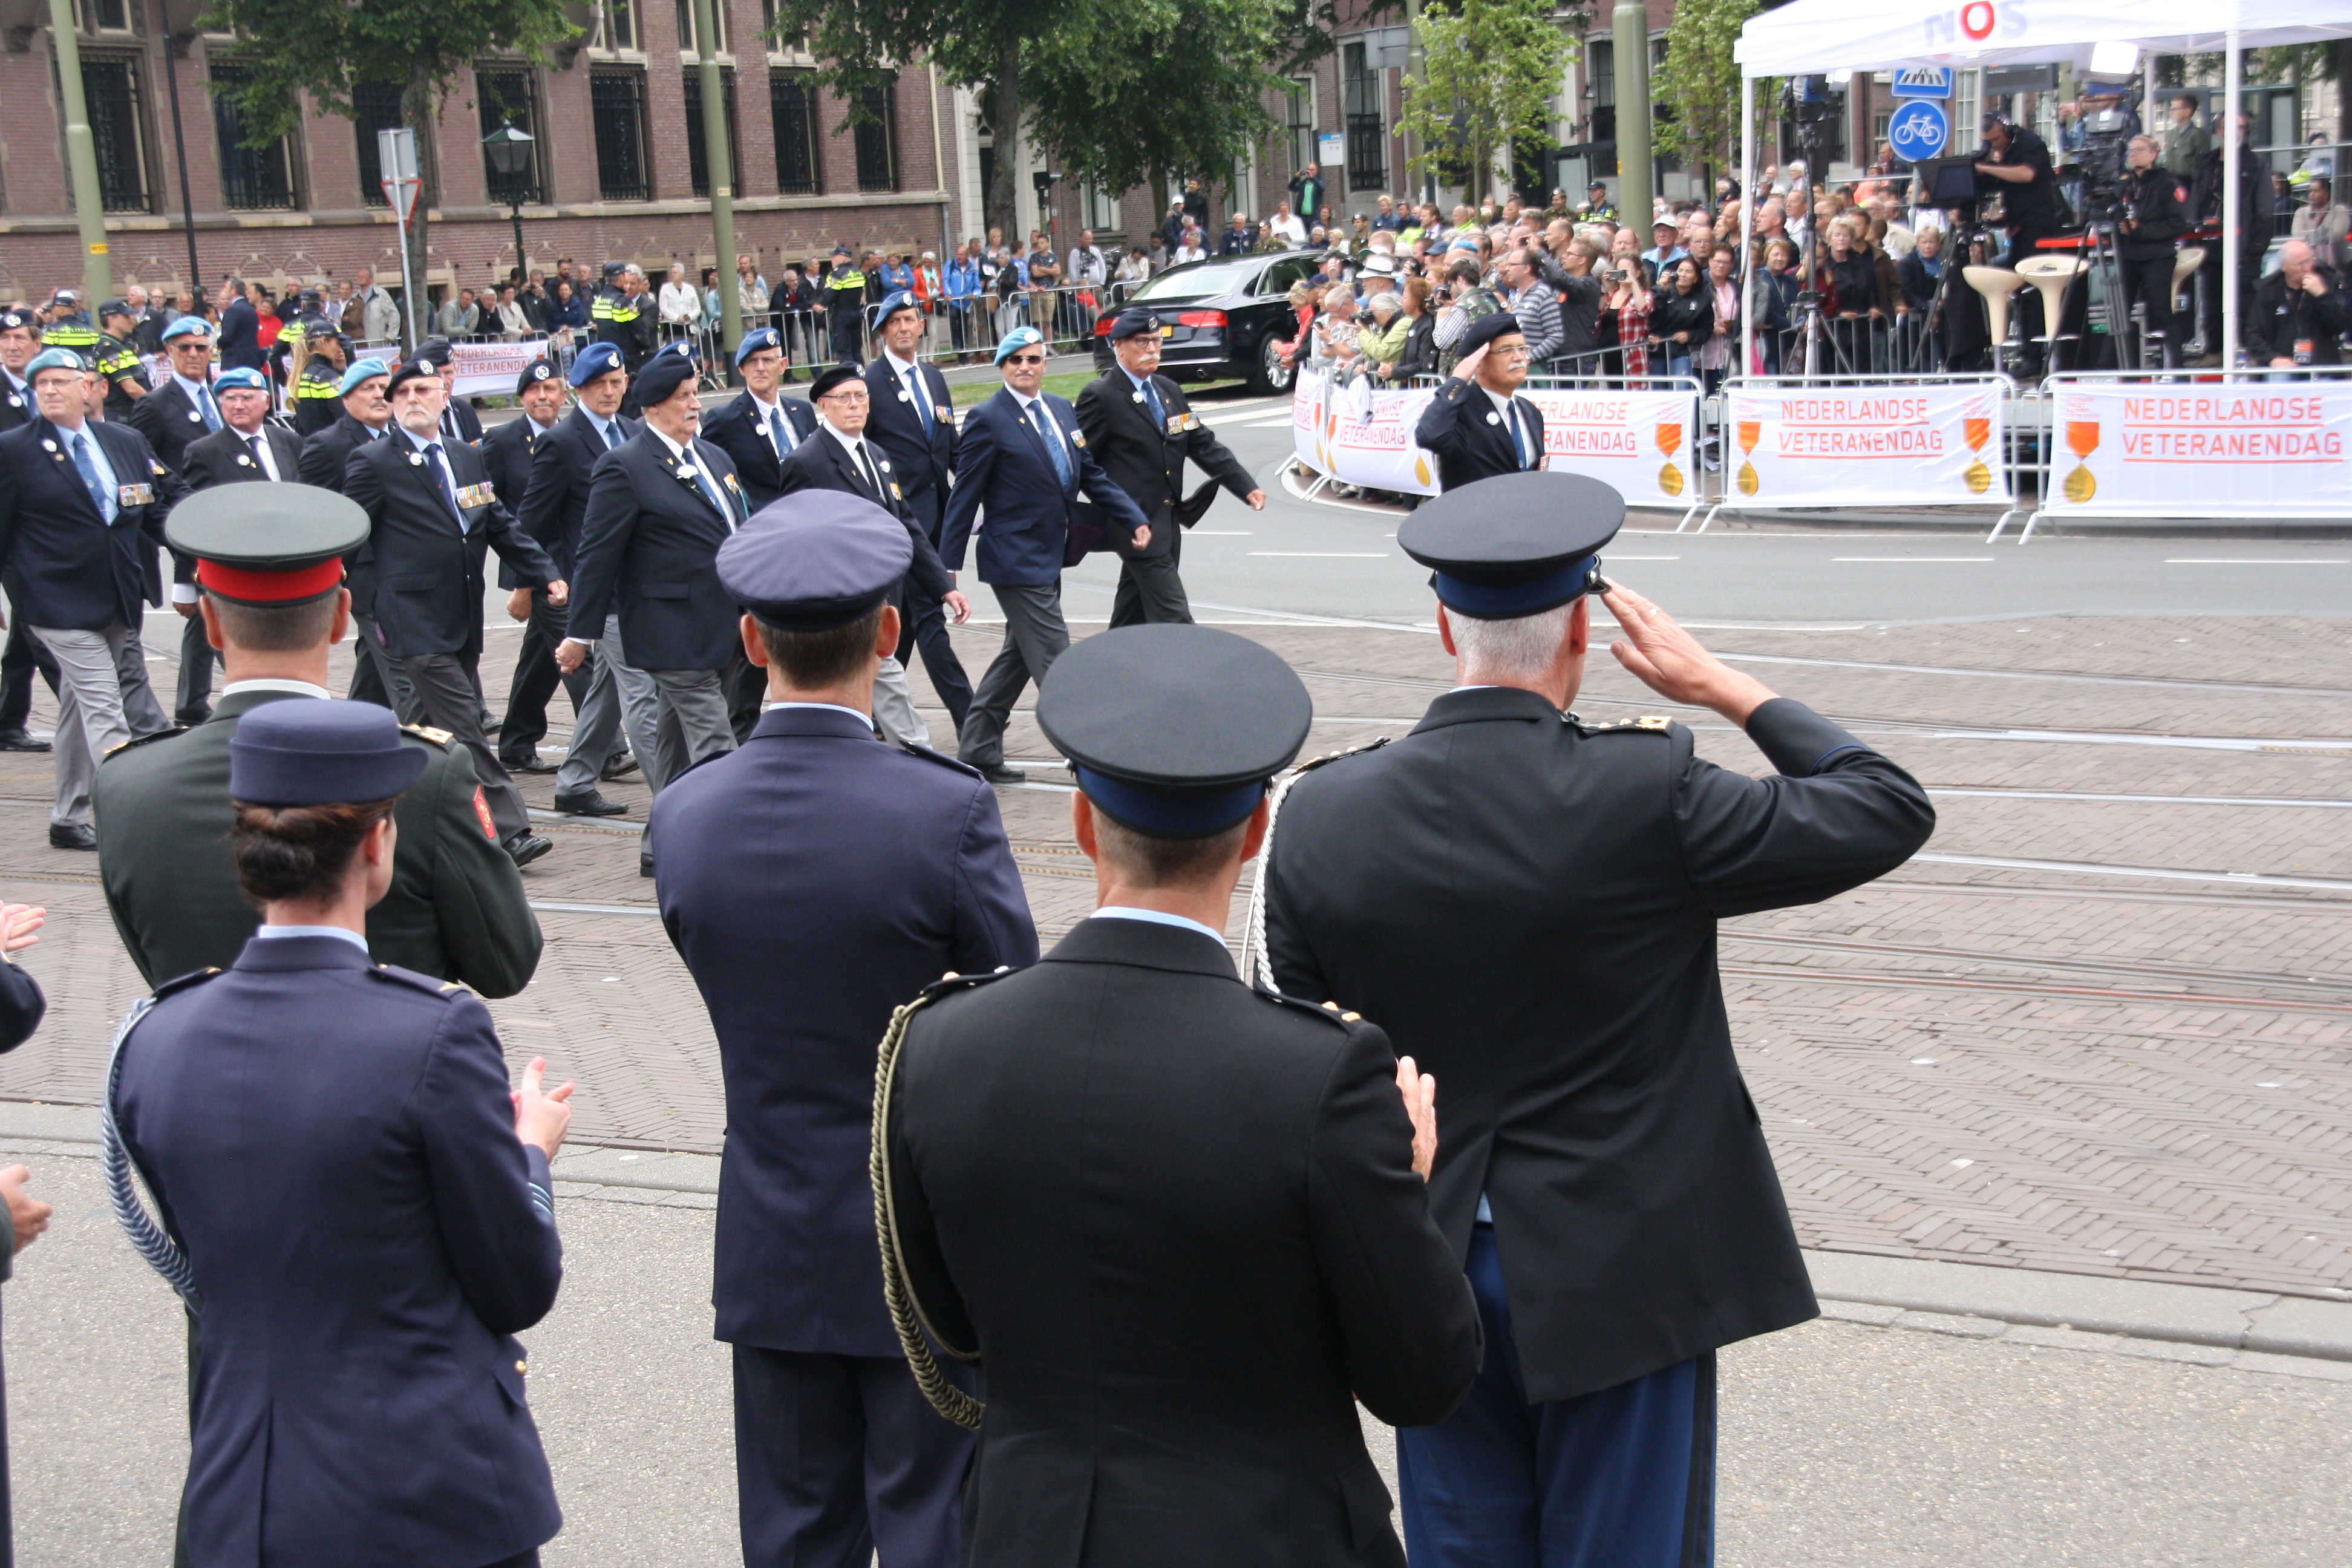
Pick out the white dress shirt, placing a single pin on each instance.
(704, 480)
(1157, 917)
(257, 445)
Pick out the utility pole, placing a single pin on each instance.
(716, 159)
(1631, 28)
(1416, 70)
(81, 153)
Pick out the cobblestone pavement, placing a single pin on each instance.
(2103, 1025)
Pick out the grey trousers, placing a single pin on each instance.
(1035, 637)
(1151, 591)
(442, 694)
(693, 724)
(193, 700)
(894, 707)
(376, 675)
(620, 701)
(101, 691)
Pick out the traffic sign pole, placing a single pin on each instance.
(396, 151)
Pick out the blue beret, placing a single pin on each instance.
(1174, 730)
(1019, 338)
(1133, 324)
(534, 373)
(241, 376)
(187, 327)
(56, 358)
(317, 751)
(1514, 544)
(358, 372)
(663, 375)
(1485, 330)
(765, 338)
(11, 319)
(893, 302)
(596, 360)
(816, 560)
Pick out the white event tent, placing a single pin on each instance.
(1816, 36)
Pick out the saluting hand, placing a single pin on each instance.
(541, 1118)
(1420, 1091)
(1670, 661)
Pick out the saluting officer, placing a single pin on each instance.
(1528, 904)
(912, 418)
(813, 880)
(1179, 1222)
(354, 1206)
(269, 563)
(1477, 425)
(1142, 429)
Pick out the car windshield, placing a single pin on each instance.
(1199, 283)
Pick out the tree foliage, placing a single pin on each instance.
(1698, 87)
(1492, 69)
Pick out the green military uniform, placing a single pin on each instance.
(318, 395)
(119, 362)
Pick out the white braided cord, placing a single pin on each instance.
(148, 1238)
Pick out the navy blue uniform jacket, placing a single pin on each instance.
(429, 563)
(507, 453)
(813, 880)
(1464, 430)
(555, 503)
(924, 463)
(332, 1145)
(64, 564)
(734, 430)
(171, 421)
(21, 1006)
(1002, 466)
(649, 552)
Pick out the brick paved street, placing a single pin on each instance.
(2058, 1063)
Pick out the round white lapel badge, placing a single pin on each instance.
(243, 462)
(48, 445)
(415, 459)
(1492, 417)
(685, 471)
(194, 417)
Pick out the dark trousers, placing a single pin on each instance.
(1035, 637)
(2149, 284)
(923, 623)
(376, 675)
(536, 678)
(842, 332)
(24, 655)
(193, 704)
(746, 685)
(441, 693)
(1150, 590)
(836, 1456)
(1622, 1478)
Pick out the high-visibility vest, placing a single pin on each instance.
(74, 332)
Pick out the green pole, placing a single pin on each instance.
(722, 181)
(1631, 25)
(81, 153)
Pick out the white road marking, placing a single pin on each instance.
(1922, 560)
(1327, 554)
(2247, 561)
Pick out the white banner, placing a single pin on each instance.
(1931, 444)
(1641, 442)
(2239, 449)
(491, 370)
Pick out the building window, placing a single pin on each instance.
(1360, 90)
(118, 130)
(253, 179)
(792, 100)
(1601, 76)
(797, 44)
(105, 16)
(1101, 207)
(617, 100)
(698, 151)
(688, 42)
(376, 106)
(504, 93)
(1299, 116)
(877, 131)
(616, 26)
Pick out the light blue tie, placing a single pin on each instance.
(613, 437)
(1053, 447)
(211, 413)
(91, 481)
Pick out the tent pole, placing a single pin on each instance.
(2233, 243)
(1747, 280)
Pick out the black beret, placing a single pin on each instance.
(434, 351)
(534, 373)
(1485, 330)
(816, 560)
(315, 751)
(1516, 544)
(831, 376)
(663, 375)
(412, 369)
(10, 319)
(1133, 324)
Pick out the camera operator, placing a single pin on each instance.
(2149, 219)
(2013, 165)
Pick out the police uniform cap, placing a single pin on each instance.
(267, 544)
(893, 302)
(1597, 185)
(315, 751)
(765, 338)
(115, 308)
(596, 360)
(534, 373)
(188, 327)
(1485, 330)
(1133, 324)
(55, 359)
(1174, 730)
(1514, 544)
(816, 560)
(64, 297)
(1016, 340)
(239, 376)
(419, 369)
(663, 375)
(841, 250)
(831, 376)
(360, 371)
(434, 351)
(614, 270)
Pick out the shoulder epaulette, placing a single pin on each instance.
(1329, 757)
(944, 760)
(180, 982)
(441, 738)
(950, 983)
(1653, 723)
(1329, 1012)
(138, 740)
(444, 989)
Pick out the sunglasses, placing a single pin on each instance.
(1024, 359)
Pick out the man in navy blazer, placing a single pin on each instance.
(813, 881)
(183, 410)
(81, 515)
(760, 427)
(913, 419)
(240, 329)
(510, 452)
(1022, 458)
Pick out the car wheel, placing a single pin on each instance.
(1268, 374)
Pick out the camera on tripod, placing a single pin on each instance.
(2105, 131)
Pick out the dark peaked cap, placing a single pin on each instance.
(1516, 544)
(816, 560)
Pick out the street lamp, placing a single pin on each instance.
(509, 151)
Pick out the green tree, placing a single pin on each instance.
(1698, 87)
(1491, 70)
(290, 48)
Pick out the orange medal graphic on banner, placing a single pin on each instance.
(1977, 430)
(1670, 439)
(2081, 440)
(1750, 432)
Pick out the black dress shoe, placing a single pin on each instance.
(21, 741)
(191, 717)
(492, 725)
(620, 767)
(997, 773)
(533, 763)
(589, 804)
(527, 847)
(72, 836)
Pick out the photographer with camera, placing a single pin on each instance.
(2150, 221)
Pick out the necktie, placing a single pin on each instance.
(710, 487)
(1151, 397)
(613, 437)
(1053, 446)
(449, 486)
(204, 403)
(259, 459)
(779, 430)
(873, 476)
(1518, 432)
(91, 481)
(922, 400)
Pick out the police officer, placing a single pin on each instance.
(876, 869)
(845, 304)
(269, 561)
(360, 1268)
(1141, 430)
(1181, 1223)
(1477, 425)
(69, 326)
(622, 316)
(117, 360)
(318, 389)
(509, 452)
(1528, 904)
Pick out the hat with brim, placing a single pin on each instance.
(816, 560)
(317, 751)
(267, 544)
(1514, 544)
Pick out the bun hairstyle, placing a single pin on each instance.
(299, 852)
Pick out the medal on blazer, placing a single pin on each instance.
(729, 480)
(474, 495)
(1078, 438)
(135, 495)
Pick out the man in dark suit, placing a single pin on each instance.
(1023, 459)
(246, 447)
(174, 418)
(1528, 904)
(510, 452)
(912, 419)
(1142, 429)
(364, 416)
(842, 457)
(1180, 1224)
(875, 868)
(240, 329)
(81, 514)
(430, 511)
(458, 420)
(760, 427)
(19, 341)
(658, 509)
(1477, 425)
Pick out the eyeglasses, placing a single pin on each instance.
(846, 396)
(1024, 359)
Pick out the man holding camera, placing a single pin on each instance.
(2017, 163)
(2150, 221)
